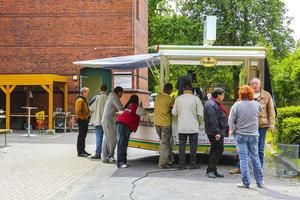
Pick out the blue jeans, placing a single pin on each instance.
(247, 146)
(99, 138)
(261, 145)
(123, 135)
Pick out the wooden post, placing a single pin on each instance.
(49, 89)
(261, 72)
(236, 81)
(163, 71)
(247, 71)
(7, 113)
(66, 97)
(7, 90)
(50, 111)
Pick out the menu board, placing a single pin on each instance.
(123, 80)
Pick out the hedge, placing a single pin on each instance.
(291, 130)
(287, 125)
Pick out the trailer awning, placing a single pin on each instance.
(181, 55)
(122, 62)
(225, 55)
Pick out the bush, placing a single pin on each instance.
(291, 130)
(284, 125)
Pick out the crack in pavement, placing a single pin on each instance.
(133, 185)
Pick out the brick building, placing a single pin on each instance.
(45, 37)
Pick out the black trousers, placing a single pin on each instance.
(215, 153)
(123, 134)
(83, 129)
(193, 140)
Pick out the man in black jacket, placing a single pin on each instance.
(216, 124)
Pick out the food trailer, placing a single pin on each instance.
(252, 59)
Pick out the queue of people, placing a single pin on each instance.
(113, 123)
(248, 121)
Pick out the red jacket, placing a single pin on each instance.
(129, 117)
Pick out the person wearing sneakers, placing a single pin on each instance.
(97, 109)
(127, 122)
(243, 123)
(189, 110)
(216, 126)
(112, 105)
(83, 116)
(266, 119)
(163, 124)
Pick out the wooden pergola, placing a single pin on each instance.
(9, 82)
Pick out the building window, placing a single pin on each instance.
(137, 9)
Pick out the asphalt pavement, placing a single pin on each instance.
(47, 167)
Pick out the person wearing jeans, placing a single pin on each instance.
(127, 122)
(266, 118)
(261, 145)
(99, 139)
(97, 108)
(243, 123)
(123, 135)
(247, 148)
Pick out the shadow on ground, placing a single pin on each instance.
(148, 166)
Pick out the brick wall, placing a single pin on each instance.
(140, 26)
(46, 36)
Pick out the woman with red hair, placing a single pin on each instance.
(243, 123)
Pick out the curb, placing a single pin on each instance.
(276, 155)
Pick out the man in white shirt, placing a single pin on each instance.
(97, 109)
(189, 110)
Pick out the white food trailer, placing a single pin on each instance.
(252, 59)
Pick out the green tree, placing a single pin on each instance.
(245, 23)
(167, 27)
(240, 23)
(287, 79)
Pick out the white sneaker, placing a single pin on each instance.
(111, 160)
(242, 185)
(123, 166)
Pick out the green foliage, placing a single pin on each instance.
(291, 130)
(220, 76)
(286, 123)
(166, 27)
(245, 23)
(239, 23)
(286, 79)
(174, 30)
